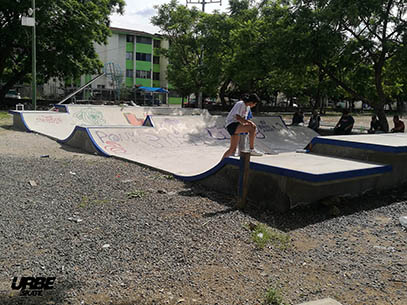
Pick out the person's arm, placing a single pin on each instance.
(243, 121)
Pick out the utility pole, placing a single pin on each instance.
(34, 68)
(203, 2)
(30, 21)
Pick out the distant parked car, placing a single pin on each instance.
(13, 94)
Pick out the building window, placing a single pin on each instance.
(146, 40)
(101, 86)
(129, 56)
(143, 57)
(156, 75)
(156, 60)
(143, 74)
(157, 44)
(129, 73)
(129, 38)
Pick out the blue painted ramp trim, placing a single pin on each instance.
(315, 178)
(13, 112)
(358, 145)
(148, 121)
(85, 129)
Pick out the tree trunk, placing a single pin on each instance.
(222, 92)
(381, 115)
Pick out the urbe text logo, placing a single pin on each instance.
(32, 286)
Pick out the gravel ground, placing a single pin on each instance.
(113, 232)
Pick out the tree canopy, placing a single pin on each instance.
(66, 33)
(340, 48)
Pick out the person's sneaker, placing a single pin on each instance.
(255, 152)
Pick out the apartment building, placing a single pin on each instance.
(132, 58)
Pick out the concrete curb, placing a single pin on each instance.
(327, 301)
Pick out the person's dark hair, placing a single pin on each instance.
(253, 97)
(345, 111)
(396, 117)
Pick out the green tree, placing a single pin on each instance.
(196, 47)
(66, 33)
(352, 42)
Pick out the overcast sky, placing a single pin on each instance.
(138, 13)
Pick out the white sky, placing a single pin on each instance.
(137, 14)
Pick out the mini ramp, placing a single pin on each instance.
(191, 148)
(60, 124)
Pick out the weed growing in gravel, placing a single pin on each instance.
(169, 177)
(136, 194)
(273, 297)
(263, 235)
(87, 202)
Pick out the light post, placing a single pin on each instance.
(34, 64)
(30, 21)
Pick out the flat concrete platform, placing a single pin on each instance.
(327, 301)
(390, 148)
(389, 142)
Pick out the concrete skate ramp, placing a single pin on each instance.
(60, 124)
(272, 136)
(182, 145)
(282, 181)
(390, 148)
(191, 147)
(386, 142)
(139, 110)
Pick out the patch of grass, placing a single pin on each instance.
(262, 235)
(87, 202)
(169, 177)
(4, 115)
(136, 194)
(273, 297)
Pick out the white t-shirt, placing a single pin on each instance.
(239, 108)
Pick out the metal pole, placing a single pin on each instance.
(34, 64)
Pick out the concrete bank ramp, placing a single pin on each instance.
(61, 123)
(191, 147)
(183, 145)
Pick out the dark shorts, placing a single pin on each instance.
(231, 128)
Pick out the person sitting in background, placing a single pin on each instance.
(298, 117)
(398, 124)
(375, 125)
(345, 124)
(314, 121)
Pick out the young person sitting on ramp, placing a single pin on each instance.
(237, 123)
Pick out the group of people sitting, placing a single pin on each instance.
(346, 122)
(375, 126)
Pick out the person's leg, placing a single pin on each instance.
(252, 133)
(233, 144)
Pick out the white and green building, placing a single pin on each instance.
(135, 54)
